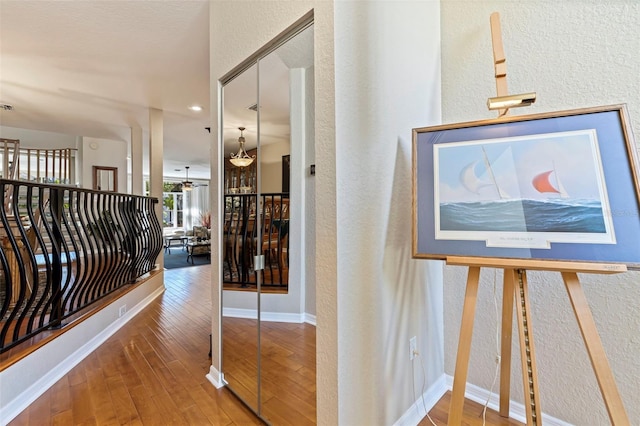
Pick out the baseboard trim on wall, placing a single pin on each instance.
(270, 316)
(517, 411)
(216, 377)
(310, 319)
(424, 403)
(64, 347)
(282, 317)
(239, 313)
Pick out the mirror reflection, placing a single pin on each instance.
(287, 347)
(105, 178)
(239, 321)
(268, 353)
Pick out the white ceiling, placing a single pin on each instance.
(272, 86)
(94, 68)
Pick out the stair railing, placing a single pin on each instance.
(88, 245)
(54, 166)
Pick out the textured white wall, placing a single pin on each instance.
(271, 165)
(108, 153)
(387, 82)
(371, 297)
(310, 199)
(573, 54)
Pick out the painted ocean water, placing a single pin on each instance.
(524, 215)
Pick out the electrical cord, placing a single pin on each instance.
(498, 362)
(424, 381)
(498, 358)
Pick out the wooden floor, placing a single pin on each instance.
(471, 415)
(287, 368)
(152, 372)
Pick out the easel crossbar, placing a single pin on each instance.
(537, 264)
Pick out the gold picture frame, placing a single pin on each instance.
(559, 186)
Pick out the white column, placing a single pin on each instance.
(156, 152)
(77, 170)
(297, 190)
(188, 221)
(137, 182)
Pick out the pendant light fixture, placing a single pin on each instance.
(187, 185)
(241, 159)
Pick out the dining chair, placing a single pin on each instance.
(275, 236)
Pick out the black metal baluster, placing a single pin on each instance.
(57, 312)
(72, 264)
(80, 247)
(155, 229)
(23, 305)
(8, 279)
(37, 297)
(88, 280)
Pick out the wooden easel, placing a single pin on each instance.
(515, 288)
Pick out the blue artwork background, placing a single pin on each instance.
(618, 176)
(523, 216)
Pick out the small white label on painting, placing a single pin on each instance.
(519, 241)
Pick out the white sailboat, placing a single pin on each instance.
(501, 192)
(470, 180)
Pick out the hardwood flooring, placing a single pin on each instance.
(471, 415)
(287, 368)
(152, 372)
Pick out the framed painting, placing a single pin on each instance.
(559, 186)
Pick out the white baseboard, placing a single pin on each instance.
(517, 411)
(270, 316)
(424, 404)
(216, 377)
(239, 313)
(310, 319)
(282, 317)
(62, 347)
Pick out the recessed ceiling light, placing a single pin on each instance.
(195, 108)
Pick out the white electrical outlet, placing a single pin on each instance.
(122, 310)
(413, 348)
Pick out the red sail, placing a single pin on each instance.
(542, 184)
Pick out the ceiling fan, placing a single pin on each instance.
(187, 185)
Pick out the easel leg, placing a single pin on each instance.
(527, 353)
(464, 347)
(505, 343)
(598, 357)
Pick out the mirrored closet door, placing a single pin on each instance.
(268, 351)
(240, 325)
